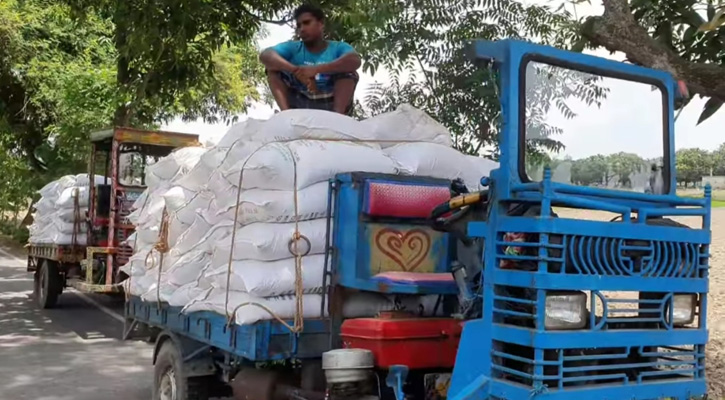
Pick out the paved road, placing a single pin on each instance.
(73, 352)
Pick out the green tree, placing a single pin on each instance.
(167, 53)
(692, 165)
(59, 80)
(682, 37)
(591, 170)
(718, 160)
(428, 40)
(624, 165)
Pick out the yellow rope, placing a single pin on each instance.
(299, 284)
(162, 247)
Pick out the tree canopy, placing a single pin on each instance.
(68, 67)
(682, 37)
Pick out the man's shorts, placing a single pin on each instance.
(320, 101)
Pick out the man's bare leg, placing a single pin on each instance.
(343, 92)
(279, 89)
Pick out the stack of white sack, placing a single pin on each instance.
(149, 207)
(296, 149)
(55, 214)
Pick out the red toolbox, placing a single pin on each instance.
(416, 342)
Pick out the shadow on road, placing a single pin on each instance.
(71, 352)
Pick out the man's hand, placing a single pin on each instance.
(306, 75)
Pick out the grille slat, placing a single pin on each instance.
(563, 369)
(603, 256)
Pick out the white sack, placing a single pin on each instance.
(246, 129)
(407, 123)
(45, 206)
(311, 124)
(190, 209)
(163, 293)
(138, 286)
(222, 188)
(479, 167)
(283, 306)
(180, 160)
(188, 268)
(68, 214)
(60, 239)
(68, 196)
(218, 158)
(274, 278)
(269, 242)
(259, 205)
(136, 265)
(359, 305)
(429, 159)
(185, 294)
(202, 235)
(68, 227)
(84, 180)
(273, 167)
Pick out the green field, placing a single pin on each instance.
(718, 196)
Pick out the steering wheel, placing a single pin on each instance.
(445, 216)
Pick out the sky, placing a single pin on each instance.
(621, 123)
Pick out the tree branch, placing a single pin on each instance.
(282, 21)
(617, 30)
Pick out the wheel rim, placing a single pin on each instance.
(167, 385)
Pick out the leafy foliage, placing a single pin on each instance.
(167, 51)
(428, 40)
(550, 86)
(617, 170)
(56, 80)
(64, 74)
(693, 29)
(693, 164)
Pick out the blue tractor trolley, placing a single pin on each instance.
(530, 302)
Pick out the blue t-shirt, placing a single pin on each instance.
(296, 53)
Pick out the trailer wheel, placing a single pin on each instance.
(170, 382)
(48, 284)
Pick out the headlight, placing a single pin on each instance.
(683, 309)
(566, 310)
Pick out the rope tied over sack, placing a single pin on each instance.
(162, 247)
(297, 236)
(293, 245)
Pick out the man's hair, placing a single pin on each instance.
(308, 8)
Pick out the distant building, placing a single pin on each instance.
(717, 182)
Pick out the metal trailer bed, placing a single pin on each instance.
(267, 340)
(67, 254)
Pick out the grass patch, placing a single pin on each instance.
(718, 196)
(718, 203)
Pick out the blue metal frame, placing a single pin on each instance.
(352, 248)
(508, 353)
(264, 341)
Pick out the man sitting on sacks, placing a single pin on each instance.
(312, 72)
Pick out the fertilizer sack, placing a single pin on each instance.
(437, 161)
(273, 278)
(406, 123)
(251, 309)
(278, 206)
(297, 124)
(276, 165)
(271, 242)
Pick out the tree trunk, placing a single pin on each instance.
(617, 30)
(122, 114)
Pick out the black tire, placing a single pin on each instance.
(48, 284)
(170, 382)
